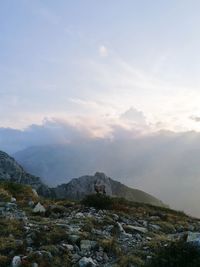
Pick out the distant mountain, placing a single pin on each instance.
(78, 188)
(165, 164)
(11, 171)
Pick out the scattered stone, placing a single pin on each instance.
(16, 261)
(39, 208)
(194, 238)
(86, 262)
(87, 245)
(136, 228)
(13, 199)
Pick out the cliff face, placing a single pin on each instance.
(11, 171)
(78, 188)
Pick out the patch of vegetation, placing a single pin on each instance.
(178, 254)
(22, 193)
(130, 260)
(11, 227)
(111, 246)
(8, 244)
(50, 236)
(4, 261)
(98, 201)
(4, 195)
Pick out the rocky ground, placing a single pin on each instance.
(41, 232)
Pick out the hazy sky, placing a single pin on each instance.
(116, 61)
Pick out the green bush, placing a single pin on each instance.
(177, 255)
(98, 201)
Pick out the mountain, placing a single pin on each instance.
(166, 165)
(11, 171)
(78, 188)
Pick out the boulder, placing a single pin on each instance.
(39, 208)
(139, 229)
(86, 262)
(87, 245)
(16, 261)
(193, 238)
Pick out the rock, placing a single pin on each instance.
(11, 206)
(136, 229)
(120, 228)
(68, 247)
(74, 238)
(31, 203)
(155, 227)
(35, 192)
(13, 199)
(79, 215)
(115, 217)
(86, 262)
(16, 261)
(39, 208)
(87, 245)
(193, 238)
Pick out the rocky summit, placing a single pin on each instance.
(78, 188)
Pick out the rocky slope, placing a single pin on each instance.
(78, 188)
(11, 171)
(43, 233)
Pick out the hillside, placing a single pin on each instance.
(45, 233)
(162, 164)
(78, 188)
(11, 171)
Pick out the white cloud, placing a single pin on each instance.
(103, 51)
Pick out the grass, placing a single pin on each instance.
(178, 254)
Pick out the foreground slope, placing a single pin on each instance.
(78, 234)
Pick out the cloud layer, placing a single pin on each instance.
(162, 163)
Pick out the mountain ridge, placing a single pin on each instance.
(77, 188)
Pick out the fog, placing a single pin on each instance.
(165, 164)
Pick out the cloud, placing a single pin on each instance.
(195, 118)
(103, 51)
(134, 115)
(166, 159)
(67, 129)
(118, 147)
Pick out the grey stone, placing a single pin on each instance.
(16, 261)
(86, 262)
(39, 208)
(87, 245)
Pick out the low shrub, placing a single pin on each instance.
(178, 254)
(98, 201)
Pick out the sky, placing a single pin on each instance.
(104, 62)
(118, 72)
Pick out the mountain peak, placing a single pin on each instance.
(78, 188)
